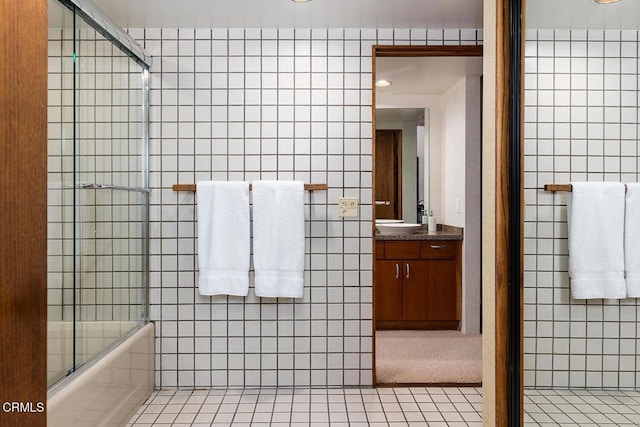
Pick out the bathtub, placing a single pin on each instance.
(109, 390)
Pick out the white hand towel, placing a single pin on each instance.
(278, 238)
(223, 237)
(632, 240)
(595, 216)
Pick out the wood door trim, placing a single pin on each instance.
(447, 50)
(23, 217)
(401, 51)
(399, 181)
(503, 205)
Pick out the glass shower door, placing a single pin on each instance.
(61, 213)
(111, 198)
(98, 197)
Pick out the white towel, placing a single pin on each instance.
(278, 238)
(632, 240)
(223, 237)
(595, 216)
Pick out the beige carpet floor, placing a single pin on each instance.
(428, 357)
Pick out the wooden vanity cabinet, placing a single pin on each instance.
(418, 284)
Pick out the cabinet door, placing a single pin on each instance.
(441, 276)
(388, 290)
(430, 290)
(415, 290)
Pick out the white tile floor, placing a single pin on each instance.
(579, 407)
(415, 406)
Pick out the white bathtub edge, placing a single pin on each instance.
(111, 390)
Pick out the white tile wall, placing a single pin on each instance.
(581, 124)
(247, 104)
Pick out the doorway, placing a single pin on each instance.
(441, 329)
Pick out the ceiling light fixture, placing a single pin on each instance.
(383, 83)
(300, 1)
(605, 1)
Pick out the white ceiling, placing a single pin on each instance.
(424, 75)
(399, 114)
(540, 14)
(582, 14)
(287, 14)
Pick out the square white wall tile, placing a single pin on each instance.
(247, 104)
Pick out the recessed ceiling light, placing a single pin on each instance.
(383, 83)
(300, 1)
(605, 1)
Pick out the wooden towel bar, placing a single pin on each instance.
(192, 187)
(562, 187)
(558, 187)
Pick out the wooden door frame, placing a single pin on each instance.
(23, 212)
(402, 51)
(502, 245)
(515, 202)
(504, 124)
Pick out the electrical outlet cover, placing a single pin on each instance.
(347, 207)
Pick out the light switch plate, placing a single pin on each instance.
(347, 207)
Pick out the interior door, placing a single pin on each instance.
(388, 174)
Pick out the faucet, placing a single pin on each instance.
(420, 211)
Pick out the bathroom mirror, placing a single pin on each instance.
(415, 117)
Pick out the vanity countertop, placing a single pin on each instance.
(444, 232)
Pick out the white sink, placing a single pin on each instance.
(388, 221)
(397, 228)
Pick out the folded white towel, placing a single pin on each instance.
(595, 217)
(278, 238)
(632, 240)
(223, 237)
